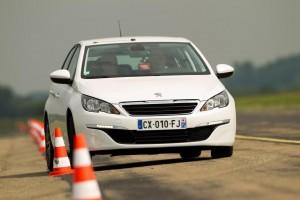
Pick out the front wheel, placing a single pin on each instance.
(49, 146)
(222, 152)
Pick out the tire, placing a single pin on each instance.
(190, 154)
(71, 134)
(49, 145)
(222, 152)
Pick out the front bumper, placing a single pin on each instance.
(103, 131)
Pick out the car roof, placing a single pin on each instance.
(128, 39)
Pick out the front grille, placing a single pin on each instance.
(160, 136)
(160, 109)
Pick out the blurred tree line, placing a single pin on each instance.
(280, 75)
(15, 106)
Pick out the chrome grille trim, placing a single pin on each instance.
(160, 108)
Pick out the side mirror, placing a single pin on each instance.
(224, 70)
(61, 76)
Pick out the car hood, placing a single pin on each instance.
(116, 90)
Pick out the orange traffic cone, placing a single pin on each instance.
(34, 129)
(41, 137)
(42, 146)
(61, 162)
(85, 185)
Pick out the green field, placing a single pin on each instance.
(278, 101)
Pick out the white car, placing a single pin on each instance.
(141, 95)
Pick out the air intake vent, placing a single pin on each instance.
(161, 136)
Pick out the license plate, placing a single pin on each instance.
(161, 124)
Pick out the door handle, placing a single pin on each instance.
(54, 94)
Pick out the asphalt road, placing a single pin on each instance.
(258, 170)
(275, 124)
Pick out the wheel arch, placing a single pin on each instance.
(68, 116)
(45, 115)
(70, 132)
(69, 113)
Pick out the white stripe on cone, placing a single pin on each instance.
(42, 132)
(61, 162)
(36, 126)
(36, 135)
(84, 156)
(59, 142)
(42, 143)
(86, 190)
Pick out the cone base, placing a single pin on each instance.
(60, 172)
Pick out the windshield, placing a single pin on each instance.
(141, 59)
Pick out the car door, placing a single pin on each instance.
(66, 93)
(54, 101)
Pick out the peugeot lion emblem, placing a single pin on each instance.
(158, 94)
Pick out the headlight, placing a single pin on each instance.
(91, 104)
(219, 101)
